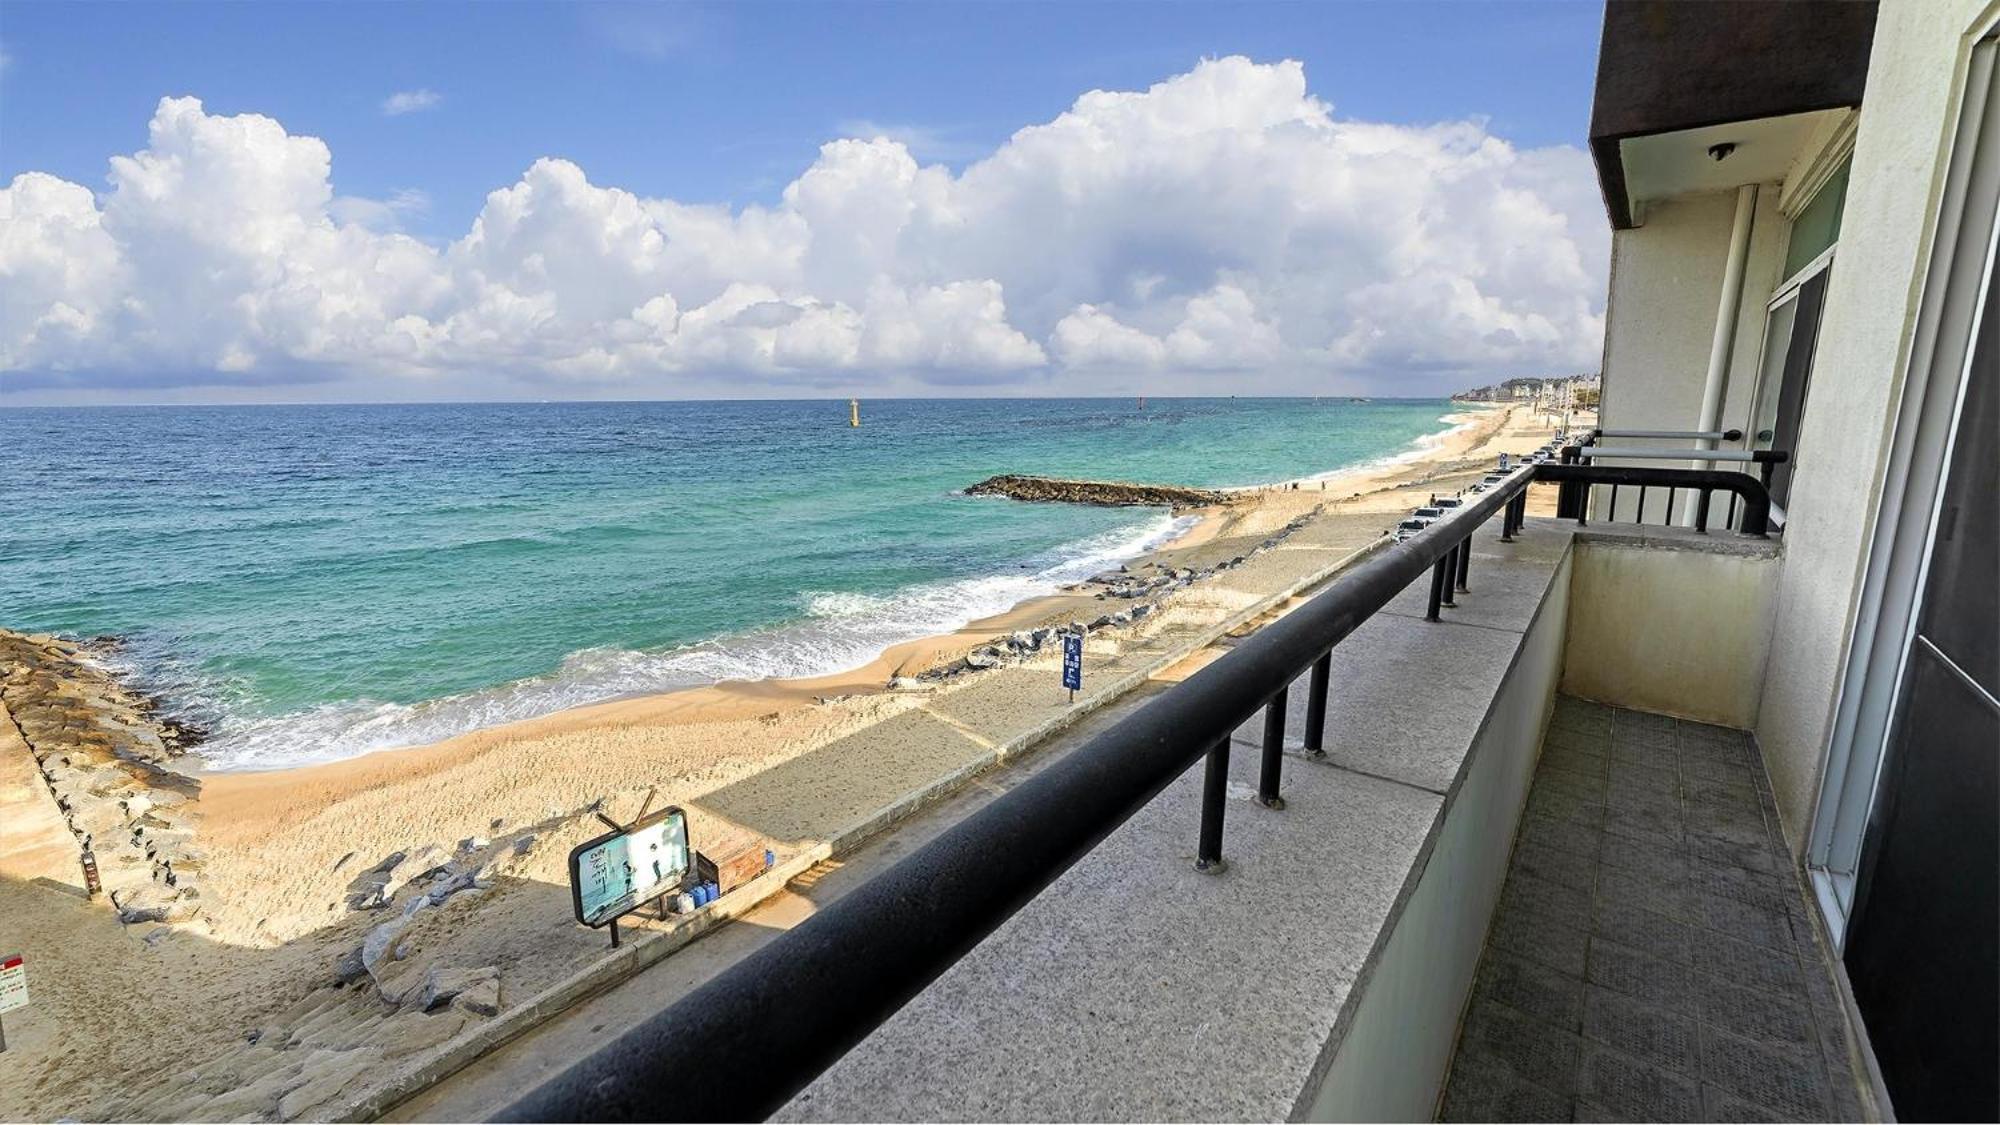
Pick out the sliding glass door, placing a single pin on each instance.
(1923, 947)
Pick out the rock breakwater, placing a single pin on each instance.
(1107, 493)
(105, 755)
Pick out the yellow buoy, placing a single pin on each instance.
(854, 412)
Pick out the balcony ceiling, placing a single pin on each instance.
(1682, 72)
(1664, 165)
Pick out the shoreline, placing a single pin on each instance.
(243, 803)
(927, 653)
(332, 894)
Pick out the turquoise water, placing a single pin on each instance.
(316, 582)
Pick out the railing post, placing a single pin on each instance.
(1448, 577)
(1701, 512)
(1437, 590)
(1268, 775)
(1316, 706)
(1756, 516)
(1569, 493)
(1464, 561)
(1214, 788)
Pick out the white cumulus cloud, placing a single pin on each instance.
(1223, 228)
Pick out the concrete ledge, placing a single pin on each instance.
(1679, 539)
(1389, 1059)
(1138, 988)
(647, 943)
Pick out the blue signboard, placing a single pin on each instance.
(1073, 661)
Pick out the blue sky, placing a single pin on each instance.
(725, 103)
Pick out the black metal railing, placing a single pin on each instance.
(1754, 492)
(1673, 435)
(1753, 519)
(745, 1042)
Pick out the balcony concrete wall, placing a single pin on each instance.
(1391, 1064)
(1667, 621)
(1916, 84)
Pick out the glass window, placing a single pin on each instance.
(1818, 225)
(1777, 341)
(1791, 369)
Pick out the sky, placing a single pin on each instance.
(332, 201)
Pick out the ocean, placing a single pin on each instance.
(316, 582)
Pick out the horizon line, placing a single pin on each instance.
(1352, 398)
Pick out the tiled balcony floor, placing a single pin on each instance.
(1652, 958)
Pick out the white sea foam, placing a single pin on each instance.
(836, 631)
(1420, 447)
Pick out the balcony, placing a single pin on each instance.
(1653, 955)
(1455, 886)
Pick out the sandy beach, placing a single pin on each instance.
(335, 898)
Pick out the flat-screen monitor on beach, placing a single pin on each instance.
(615, 872)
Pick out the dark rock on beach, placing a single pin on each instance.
(1107, 493)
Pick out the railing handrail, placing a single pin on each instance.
(1755, 497)
(794, 1006)
(1755, 456)
(1684, 435)
(778, 1017)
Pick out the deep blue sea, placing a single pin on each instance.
(315, 582)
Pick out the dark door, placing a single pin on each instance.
(1923, 949)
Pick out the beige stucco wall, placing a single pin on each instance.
(1915, 87)
(1666, 278)
(1677, 630)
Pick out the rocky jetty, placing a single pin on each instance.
(105, 755)
(1117, 494)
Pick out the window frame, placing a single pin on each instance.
(1964, 256)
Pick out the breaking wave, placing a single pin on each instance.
(834, 631)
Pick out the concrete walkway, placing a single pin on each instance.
(1653, 957)
(487, 1085)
